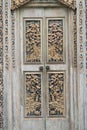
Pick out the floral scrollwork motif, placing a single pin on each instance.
(19, 3)
(55, 41)
(32, 95)
(32, 41)
(56, 94)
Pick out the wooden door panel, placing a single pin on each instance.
(44, 66)
(57, 124)
(33, 124)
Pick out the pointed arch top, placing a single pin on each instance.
(18, 3)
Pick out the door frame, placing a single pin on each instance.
(15, 111)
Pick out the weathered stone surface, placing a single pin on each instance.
(1, 69)
(86, 59)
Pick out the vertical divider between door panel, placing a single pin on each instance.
(44, 73)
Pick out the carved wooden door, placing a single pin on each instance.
(44, 69)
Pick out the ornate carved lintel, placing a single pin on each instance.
(18, 3)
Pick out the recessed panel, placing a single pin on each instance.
(32, 94)
(32, 42)
(56, 93)
(55, 51)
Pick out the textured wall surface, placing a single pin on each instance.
(86, 38)
(81, 64)
(1, 71)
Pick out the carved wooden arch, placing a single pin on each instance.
(18, 3)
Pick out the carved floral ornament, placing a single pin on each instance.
(19, 3)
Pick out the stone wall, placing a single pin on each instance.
(86, 38)
(81, 66)
(1, 66)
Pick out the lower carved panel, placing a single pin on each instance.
(32, 94)
(56, 83)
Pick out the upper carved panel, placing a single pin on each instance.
(19, 3)
(32, 41)
(55, 41)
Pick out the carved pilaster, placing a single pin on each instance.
(81, 64)
(75, 38)
(81, 33)
(13, 38)
(6, 35)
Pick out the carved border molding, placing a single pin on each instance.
(18, 3)
(13, 38)
(6, 36)
(81, 33)
(75, 37)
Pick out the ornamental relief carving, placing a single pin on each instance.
(32, 41)
(56, 94)
(18, 3)
(32, 95)
(55, 41)
(56, 83)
